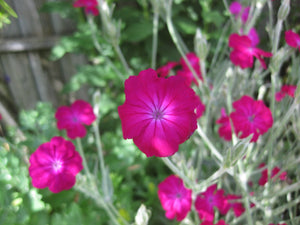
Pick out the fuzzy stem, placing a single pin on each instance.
(155, 36)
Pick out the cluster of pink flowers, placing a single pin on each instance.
(55, 164)
(264, 174)
(285, 90)
(90, 6)
(250, 117)
(176, 200)
(158, 113)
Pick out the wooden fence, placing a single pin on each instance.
(26, 73)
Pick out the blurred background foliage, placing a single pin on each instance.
(134, 177)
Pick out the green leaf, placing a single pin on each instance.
(138, 31)
(8, 9)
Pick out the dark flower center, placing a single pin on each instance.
(157, 114)
(251, 118)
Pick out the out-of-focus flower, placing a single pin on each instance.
(186, 72)
(251, 117)
(175, 198)
(221, 222)
(234, 203)
(90, 6)
(55, 165)
(208, 200)
(264, 174)
(74, 118)
(292, 39)
(164, 71)
(243, 52)
(285, 90)
(239, 11)
(224, 130)
(158, 113)
(253, 37)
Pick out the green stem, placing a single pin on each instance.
(212, 148)
(155, 35)
(176, 170)
(99, 48)
(176, 40)
(122, 58)
(85, 165)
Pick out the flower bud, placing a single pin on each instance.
(284, 10)
(200, 45)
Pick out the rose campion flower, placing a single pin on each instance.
(186, 72)
(285, 90)
(233, 203)
(238, 10)
(164, 71)
(90, 6)
(251, 117)
(74, 117)
(253, 37)
(158, 113)
(264, 174)
(55, 165)
(224, 130)
(175, 198)
(208, 200)
(221, 222)
(243, 52)
(292, 39)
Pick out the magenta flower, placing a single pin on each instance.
(285, 90)
(253, 37)
(158, 113)
(175, 198)
(251, 117)
(278, 224)
(221, 222)
(224, 130)
(164, 71)
(90, 6)
(208, 200)
(54, 165)
(243, 52)
(235, 8)
(233, 202)
(186, 72)
(74, 117)
(292, 39)
(264, 174)
(238, 10)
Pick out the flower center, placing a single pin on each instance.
(157, 114)
(57, 166)
(251, 118)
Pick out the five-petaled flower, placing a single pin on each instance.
(224, 130)
(90, 6)
(175, 198)
(158, 113)
(186, 72)
(251, 117)
(264, 174)
(164, 71)
(208, 200)
(234, 202)
(74, 117)
(55, 165)
(285, 90)
(244, 51)
(292, 39)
